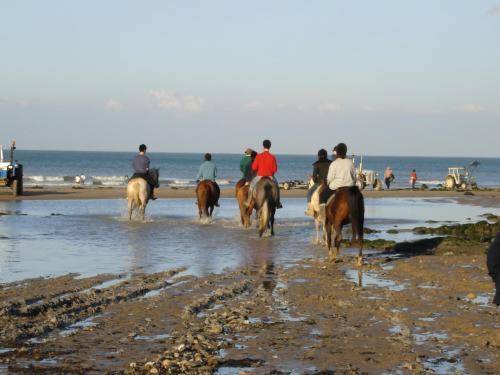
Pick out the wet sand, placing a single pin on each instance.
(490, 197)
(419, 313)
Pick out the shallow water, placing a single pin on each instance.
(48, 238)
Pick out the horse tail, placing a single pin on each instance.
(356, 205)
(264, 217)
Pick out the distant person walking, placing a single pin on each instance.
(388, 177)
(208, 171)
(413, 178)
(140, 164)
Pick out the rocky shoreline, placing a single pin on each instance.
(413, 307)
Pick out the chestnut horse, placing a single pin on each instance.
(241, 193)
(347, 206)
(207, 195)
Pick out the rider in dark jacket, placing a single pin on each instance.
(320, 171)
(140, 164)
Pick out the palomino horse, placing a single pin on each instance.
(138, 193)
(241, 192)
(265, 196)
(207, 195)
(319, 220)
(346, 207)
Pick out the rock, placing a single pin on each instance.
(132, 365)
(471, 296)
(166, 363)
(153, 371)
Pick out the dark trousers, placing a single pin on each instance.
(325, 195)
(388, 182)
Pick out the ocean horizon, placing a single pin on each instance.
(112, 168)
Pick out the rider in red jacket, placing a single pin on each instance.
(264, 165)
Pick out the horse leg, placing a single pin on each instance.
(316, 224)
(338, 239)
(143, 211)
(271, 221)
(329, 237)
(130, 208)
(360, 254)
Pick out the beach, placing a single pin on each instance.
(171, 295)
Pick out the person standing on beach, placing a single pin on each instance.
(320, 172)
(246, 165)
(140, 164)
(264, 165)
(388, 177)
(413, 178)
(493, 264)
(208, 171)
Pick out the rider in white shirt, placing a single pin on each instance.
(340, 174)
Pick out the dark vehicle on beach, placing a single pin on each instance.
(11, 172)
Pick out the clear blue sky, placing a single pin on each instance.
(386, 77)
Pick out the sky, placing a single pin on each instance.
(386, 77)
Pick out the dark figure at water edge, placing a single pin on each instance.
(320, 172)
(264, 165)
(388, 177)
(413, 179)
(208, 172)
(493, 263)
(140, 165)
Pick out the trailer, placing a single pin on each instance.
(11, 172)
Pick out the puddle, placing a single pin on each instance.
(428, 286)
(451, 364)
(422, 338)
(395, 330)
(372, 279)
(227, 370)
(481, 300)
(162, 336)
(6, 350)
(72, 329)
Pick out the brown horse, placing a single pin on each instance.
(346, 207)
(207, 195)
(241, 193)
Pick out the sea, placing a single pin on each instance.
(59, 168)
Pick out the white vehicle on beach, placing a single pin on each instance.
(461, 177)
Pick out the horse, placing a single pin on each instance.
(265, 197)
(138, 193)
(241, 193)
(207, 195)
(347, 206)
(319, 220)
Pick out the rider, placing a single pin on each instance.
(264, 165)
(140, 165)
(208, 171)
(246, 165)
(320, 171)
(341, 173)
